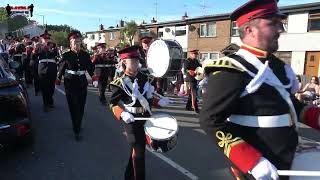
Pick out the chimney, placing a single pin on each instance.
(121, 23)
(101, 28)
(185, 16)
(153, 20)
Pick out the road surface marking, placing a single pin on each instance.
(162, 157)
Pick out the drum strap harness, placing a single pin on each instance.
(134, 87)
(266, 75)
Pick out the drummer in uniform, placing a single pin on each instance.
(189, 67)
(131, 97)
(72, 66)
(249, 109)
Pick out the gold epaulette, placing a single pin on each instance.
(224, 62)
(117, 82)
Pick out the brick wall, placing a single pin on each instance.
(210, 44)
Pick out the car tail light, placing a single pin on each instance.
(22, 129)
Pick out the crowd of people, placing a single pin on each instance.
(310, 92)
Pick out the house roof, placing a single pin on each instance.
(217, 17)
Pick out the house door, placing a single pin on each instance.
(312, 64)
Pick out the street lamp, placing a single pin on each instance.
(42, 18)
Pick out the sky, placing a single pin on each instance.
(87, 15)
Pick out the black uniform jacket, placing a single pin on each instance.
(48, 68)
(241, 144)
(190, 64)
(76, 62)
(118, 94)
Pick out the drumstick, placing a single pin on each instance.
(298, 173)
(143, 119)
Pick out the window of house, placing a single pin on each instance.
(100, 36)
(112, 36)
(208, 55)
(181, 32)
(208, 30)
(234, 29)
(285, 56)
(285, 24)
(314, 22)
(92, 37)
(160, 34)
(144, 32)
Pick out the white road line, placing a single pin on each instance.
(162, 157)
(174, 165)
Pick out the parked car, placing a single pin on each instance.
(15, 117)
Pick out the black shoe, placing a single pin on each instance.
(78, 137)
(51, 106)
(46, 108)
(188, 108)
(196, 110)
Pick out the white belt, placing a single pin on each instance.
(47, 60)
(79, 73)
(261, 121)
(104, 65)
(20, 55)
(134, 110)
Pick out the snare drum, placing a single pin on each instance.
(164, 58)
(161, 132)
(306, 159)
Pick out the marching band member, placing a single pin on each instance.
(131, 97)
(47, 70)
(33, 65)
(72, 67)
(104, 70)
(27, 57)
(189, 67)
(249, 107)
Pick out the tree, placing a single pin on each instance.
(3, 15)
(17, 22)
(65, 28)
(128, 32)
(60, 38)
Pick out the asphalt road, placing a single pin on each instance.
(103, 153)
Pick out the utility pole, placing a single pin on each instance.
(156, 9)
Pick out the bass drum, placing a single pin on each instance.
(164, 58)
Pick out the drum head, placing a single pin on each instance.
(158, 58)
(162, 127)
(306, 160)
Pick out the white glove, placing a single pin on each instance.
(149, 89)
(127, 117)
(163, 102)
(95, 83)
(264, 170)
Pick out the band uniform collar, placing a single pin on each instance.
(257, 52)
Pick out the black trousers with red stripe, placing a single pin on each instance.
(137, 142)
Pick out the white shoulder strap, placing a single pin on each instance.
(136, 94)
